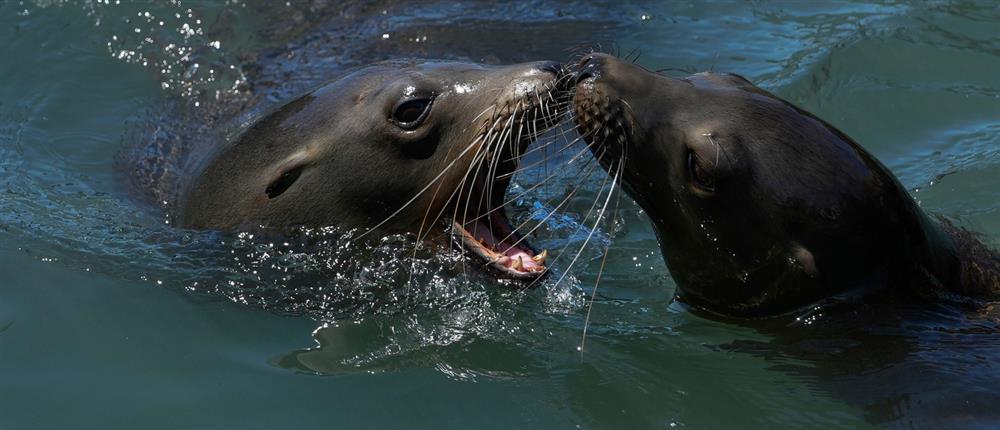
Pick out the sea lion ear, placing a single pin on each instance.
(803, 258)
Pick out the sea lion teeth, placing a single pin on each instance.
(518, 263)
(324, 175)
(540, 258)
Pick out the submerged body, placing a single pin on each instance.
(760, 207)
(395, 147)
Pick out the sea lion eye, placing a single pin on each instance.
(409, 114)
(280, 185)
(699, 175)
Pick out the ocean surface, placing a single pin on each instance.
(110, 317)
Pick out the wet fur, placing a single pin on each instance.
(913, 252)
(979, 275)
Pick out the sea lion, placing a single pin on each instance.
(393, 147)
(760, 207)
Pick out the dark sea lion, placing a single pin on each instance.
(760, 207)
(393, 147)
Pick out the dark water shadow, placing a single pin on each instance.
(927, 364)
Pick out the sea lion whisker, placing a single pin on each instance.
(555, 136)
(423, 223)
(600, 216)
(490, 155)
(505, 137)
(476, 161)
(543, 107)
(562, 132)
(552, 142)
(534, 128)
(526, 191)
(589, 169)
(600, 270)
(510, 142)
(714, 143)
(420, 233)
(593, 296)
(520, 134)
(566, 77)
(556, 104)
(455, 192)
(673, 69)
(543, 161)
(578, 51)
(539, 98)
(630, 117)
(547, 104)
(562, 251)
(477, 165)
(487, 194)
(483, 112)
(419, 193)
(477, 157)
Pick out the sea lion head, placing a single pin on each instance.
(394, 147)
(760, 207)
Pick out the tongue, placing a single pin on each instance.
(501, 240)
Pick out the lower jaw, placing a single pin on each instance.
(490, 237)
(499, 249)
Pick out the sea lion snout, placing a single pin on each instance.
(589, 67)
(395, 147)
(553, 67)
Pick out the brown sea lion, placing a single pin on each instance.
(393, 147)
(760, 207)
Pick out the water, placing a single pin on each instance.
(112, 318)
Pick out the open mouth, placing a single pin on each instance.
(495, 241)
(486, 230)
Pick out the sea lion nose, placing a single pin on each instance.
(590, 67)
(552, 67)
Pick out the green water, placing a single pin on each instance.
(111, 318)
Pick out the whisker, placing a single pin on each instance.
(587, 216)
(594, 229)
(457, 190)
(557, 135)
(552, 213)
(593, 295)
(419, 193)
(543, 160)
(579, 181)
(604, 258)
(478, 165)
(483, 112)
